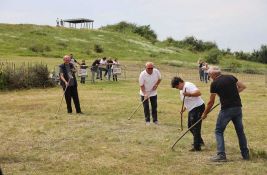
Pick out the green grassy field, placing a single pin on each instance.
(103, 141)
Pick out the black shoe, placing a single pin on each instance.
(219, 158)
(201, 144)
(195, 149)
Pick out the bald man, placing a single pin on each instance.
(149, 80)
(68, 80)
(227, 87)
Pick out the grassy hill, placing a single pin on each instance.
(54, 42)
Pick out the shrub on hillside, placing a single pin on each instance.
(39, 48)
(25, 77)
(213, 56)
(124, 27)
(256, 55)
(98, 48)
(234, 66)
(62, 45)
(191, 43)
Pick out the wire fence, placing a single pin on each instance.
(132, 71)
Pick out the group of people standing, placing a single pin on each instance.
(104, 65)
(60, 22)
(100, 68)
(227, 87)
(203, 68)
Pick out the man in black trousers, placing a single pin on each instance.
(69, 84)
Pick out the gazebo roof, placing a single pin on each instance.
(78, 20)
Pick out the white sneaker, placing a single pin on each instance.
(147, 123)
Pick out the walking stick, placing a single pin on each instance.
(137, 108)
(192, 127)
(62, 99)
(182, 112)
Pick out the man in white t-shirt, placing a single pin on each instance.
(149, 80)
(102, 67)
(195, 105)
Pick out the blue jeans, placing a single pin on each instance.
(201, 74)
(233, 114)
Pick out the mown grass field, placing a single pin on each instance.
(103, 141)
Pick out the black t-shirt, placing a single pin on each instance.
(96, 63)
(225, 87)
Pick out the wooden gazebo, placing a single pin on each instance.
(85, 23)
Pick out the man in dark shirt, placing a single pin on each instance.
(94, 69)
(227, 87)
(69, 84)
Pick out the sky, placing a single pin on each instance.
(235, 24)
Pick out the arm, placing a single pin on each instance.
(63, 79)
(192, 94)
(240, 86)
(156, 85)
(144, 91)
(209, 105)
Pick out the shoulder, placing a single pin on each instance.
(156, 70)
(143, 73)
(71, 65)
(61, 66)
(190, 86)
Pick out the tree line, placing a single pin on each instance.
(191, 43)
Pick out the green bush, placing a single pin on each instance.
(124, 27)
(24, 77)
(62, 45)
(98, 48)
(213, 56)
(39, 48)
(234, 66)
(3, 80)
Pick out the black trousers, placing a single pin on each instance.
(193, 116)
(154, 104)
(72, 92)
(82, 79)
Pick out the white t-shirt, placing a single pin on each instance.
(149, 81)
(103, 63)
(190, 102)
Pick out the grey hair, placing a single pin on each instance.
(149, 63)
(214, 70)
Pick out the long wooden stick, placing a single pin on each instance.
(192, 127)
(62, 99)
(137, 108)
(182, 112)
